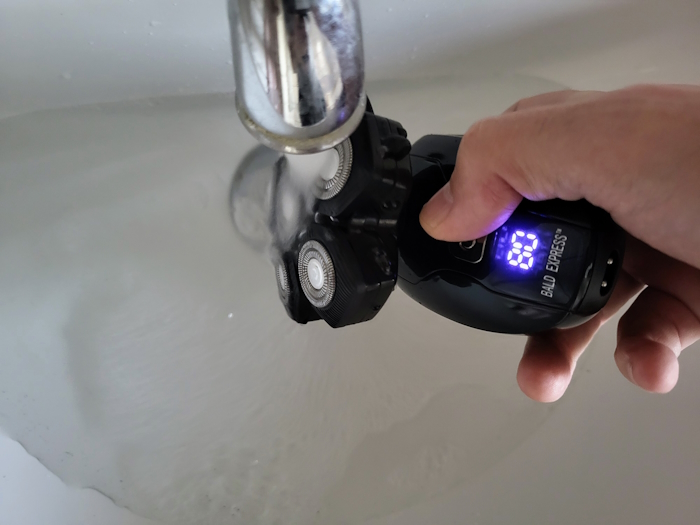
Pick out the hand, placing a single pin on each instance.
(634, 152)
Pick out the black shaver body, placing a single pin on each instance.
(553, 264)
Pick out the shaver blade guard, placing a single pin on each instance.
(343, 264)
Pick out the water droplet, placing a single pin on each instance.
(92, 42)
(426, 15)
(125, 32)
(229, 62)
(155, 23)
(230, 316)
(66, 75)
(391, 10)
(151, 33)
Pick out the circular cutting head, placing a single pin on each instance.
(316, 274)
(329, 186)
(283, 280)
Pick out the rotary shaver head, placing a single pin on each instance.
(292, 296)
(346, 277)
(342, 263)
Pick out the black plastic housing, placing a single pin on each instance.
(295, 302)
(365, 273)
(466, 282)
(380, 179)
(357, 227)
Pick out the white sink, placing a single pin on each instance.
(145, 353)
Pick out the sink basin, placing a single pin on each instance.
(146, 354)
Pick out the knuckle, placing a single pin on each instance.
(477, 133)
(496, 193)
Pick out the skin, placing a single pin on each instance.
(634, 152)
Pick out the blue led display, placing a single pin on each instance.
(521, 249)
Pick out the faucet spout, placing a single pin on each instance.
(299, 71)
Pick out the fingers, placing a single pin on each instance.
(550, 358)
(649, 342)
(664, 273)
(651, 336)
(549, 361)
(661, 323)
(664, 320)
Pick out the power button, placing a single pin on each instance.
(470, 251)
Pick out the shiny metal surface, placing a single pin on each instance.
(299, 69)
(329, 186)
(320, 295)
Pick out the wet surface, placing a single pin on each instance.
(438, 449)
(146, 354)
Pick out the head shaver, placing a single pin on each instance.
(553, 264)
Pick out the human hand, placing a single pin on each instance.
(633, 152)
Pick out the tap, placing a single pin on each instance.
(299, 71)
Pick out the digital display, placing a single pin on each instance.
(522, 248)
(537, 259)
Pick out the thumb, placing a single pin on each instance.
(500, 161)
(471, 205)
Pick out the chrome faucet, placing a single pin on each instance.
(299, 70)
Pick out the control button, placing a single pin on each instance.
(470, 251)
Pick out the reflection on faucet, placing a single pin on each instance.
(268, 204)
(299, 69)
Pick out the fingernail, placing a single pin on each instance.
(626, 367)
(437, 209)
(630, 371)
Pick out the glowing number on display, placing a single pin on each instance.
(522, 248)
